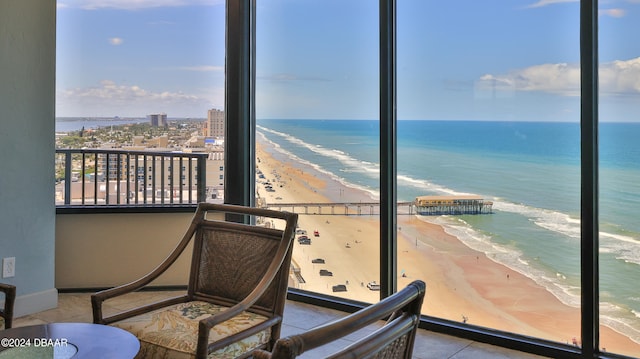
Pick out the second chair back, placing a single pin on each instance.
(394, 339)
(230, 259)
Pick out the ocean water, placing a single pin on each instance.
(531, 171)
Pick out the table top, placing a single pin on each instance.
(66, 340)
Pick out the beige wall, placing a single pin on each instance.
(104, 250)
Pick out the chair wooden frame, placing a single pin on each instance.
(266, 297)
(9, 301)
(393, 340)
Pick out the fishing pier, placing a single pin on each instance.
(424, 205)
(454, 205)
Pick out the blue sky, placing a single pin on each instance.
(459, 60)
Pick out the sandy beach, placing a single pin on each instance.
(462, 284)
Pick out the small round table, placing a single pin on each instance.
(68, 340)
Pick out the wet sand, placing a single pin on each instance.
(462, 284)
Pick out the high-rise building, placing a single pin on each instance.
(157, 119)
(215, 123)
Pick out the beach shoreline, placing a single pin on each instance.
(462, 284)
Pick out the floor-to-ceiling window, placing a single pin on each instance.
(619, 168)
(489, 150)
(317, 138)
(501, 87)
(499, 84)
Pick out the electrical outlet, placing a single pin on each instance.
(8, 267)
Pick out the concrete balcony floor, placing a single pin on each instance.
(298, 317)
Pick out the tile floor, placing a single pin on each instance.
(298, 317)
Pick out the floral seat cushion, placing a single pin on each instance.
(173, 332)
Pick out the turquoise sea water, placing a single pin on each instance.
(531, 171)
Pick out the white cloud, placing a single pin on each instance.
(617, 77)
(110, 98)
(557, 78)
(116, 41)
(109, 90)
(542, 3)
(612, 12)
(620, 77)
(132, 4)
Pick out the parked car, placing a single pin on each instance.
(317, 261)
(300, 231)
(305, 240)
(373, 285)
(316, 233)
(339, 288)
(326, 273)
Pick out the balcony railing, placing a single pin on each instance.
(123, 178)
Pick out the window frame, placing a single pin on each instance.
(239, 160)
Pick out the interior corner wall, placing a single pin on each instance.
(27, 149)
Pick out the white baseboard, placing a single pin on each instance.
(35, 302)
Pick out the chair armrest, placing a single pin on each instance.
(98, 298)
(99, 318)
(9, 292)
(256, 293)
(9, 301)
(204, 329)
(241, 306)
(205, 325)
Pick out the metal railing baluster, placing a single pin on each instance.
(75, 193)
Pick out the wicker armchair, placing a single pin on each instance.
(393, 340)
(235, 296)
(6, 313)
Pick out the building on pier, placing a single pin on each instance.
(439, 205)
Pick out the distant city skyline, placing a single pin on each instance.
(459, 60)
